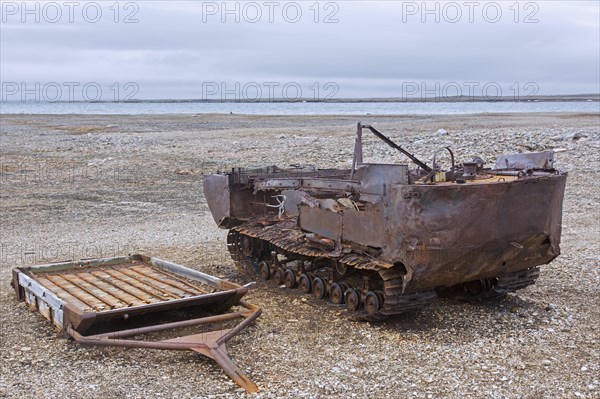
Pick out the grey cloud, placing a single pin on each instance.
(370, 52)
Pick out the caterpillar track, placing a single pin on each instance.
(370, 289)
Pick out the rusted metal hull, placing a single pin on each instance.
(97, 302)
(391, 235)
(448, 234)
(445, 235)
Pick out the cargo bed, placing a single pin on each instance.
(101, 301)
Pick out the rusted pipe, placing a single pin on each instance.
(170, 326)
(256, 311)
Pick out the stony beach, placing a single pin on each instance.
(80, 186)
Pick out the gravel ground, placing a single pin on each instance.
(86, 186)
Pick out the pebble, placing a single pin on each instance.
(569, 136)
(448, 349)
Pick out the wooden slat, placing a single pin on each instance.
(167, 279)
(105, 297)
(107, 287)
(160, 286)
(63, 294)
(142, 296)
(111, 289)
(156, 295)
(72, 289)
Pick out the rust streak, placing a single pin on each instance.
(156, 284)
(111, 289)
(141, 296)
(63, 293)
(93, 290)
(153, 292)
(167, 279)
(72, 289)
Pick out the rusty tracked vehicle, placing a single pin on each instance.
(385, 238)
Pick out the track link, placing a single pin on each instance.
(517, 281)
(284, 238)
(491, 288)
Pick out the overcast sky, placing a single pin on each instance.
(197, 49)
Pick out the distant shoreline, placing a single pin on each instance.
(355, 107)
(318, 116)
(461, 99)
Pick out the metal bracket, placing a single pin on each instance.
(210, 344)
